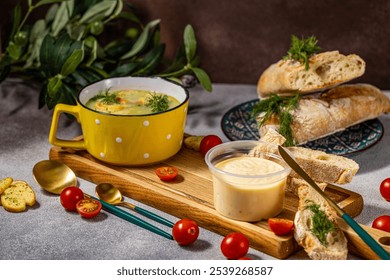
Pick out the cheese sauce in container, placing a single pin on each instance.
(247, 186)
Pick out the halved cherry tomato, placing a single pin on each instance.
(88, 208)
(167, 173)
(185, 232)
(209, 142)
(235, 245)
(280, 226)
(70, 196)
(382, 223)
(385, 189)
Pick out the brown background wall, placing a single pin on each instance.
(237, 40)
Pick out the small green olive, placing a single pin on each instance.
(20, 38)
(97, 27)
(132, 32)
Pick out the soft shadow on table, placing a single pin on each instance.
(373, 158)
(372, 212)
(198, 246)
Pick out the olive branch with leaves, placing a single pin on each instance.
(65, 50)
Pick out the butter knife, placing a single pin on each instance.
(382, 253)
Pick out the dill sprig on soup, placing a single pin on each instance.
(131, 102)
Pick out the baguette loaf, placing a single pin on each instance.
(316, 229)
(326, 70)
(334, 110)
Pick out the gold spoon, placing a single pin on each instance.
(54, 176)
(112, 195)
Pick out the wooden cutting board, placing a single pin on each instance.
(191, 196)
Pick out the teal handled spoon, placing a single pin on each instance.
(54, 176)
(112, 195)
(382, 253)
(131, 218)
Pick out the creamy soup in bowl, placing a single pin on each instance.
(131, 102)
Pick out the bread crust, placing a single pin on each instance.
(333, 111)
(326, 70)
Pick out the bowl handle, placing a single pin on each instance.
(73, 110)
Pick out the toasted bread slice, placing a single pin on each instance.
(5, 183)
(316, 229)
(17, 196)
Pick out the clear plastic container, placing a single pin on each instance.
(247, 187)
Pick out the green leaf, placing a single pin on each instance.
(150, 61)
(142, 40)
(189, 42)
(118, 9)
(117, 48)
(88, 75)
(176, 80)
(16, 17)
(99, 71)
(100, 10)
(14, 51)
(37, 33)
(55, 51)
(66, 94)
(61, 19)
(92, 44)
(51, 13)
(44, 2)
(72, 62)
(124, 69)
(203, 78)
(130, 16)
(38, 28)
(54, 85)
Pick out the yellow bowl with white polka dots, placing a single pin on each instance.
(126, 139)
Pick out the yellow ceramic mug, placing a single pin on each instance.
(127, 139)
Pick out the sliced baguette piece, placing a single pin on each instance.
(334, 244)
(333, 111)
(323, 167)
(17, 196)
(326, 70)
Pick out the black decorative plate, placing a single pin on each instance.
(237, 124)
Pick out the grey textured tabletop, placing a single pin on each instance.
(47, 231)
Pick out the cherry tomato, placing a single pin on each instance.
(167, 173)
(382, 223)
(209, 142)
(70, 196)
(234, 246)
(385, 189)
(280, 226)
(185, 232)
(88, 208)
